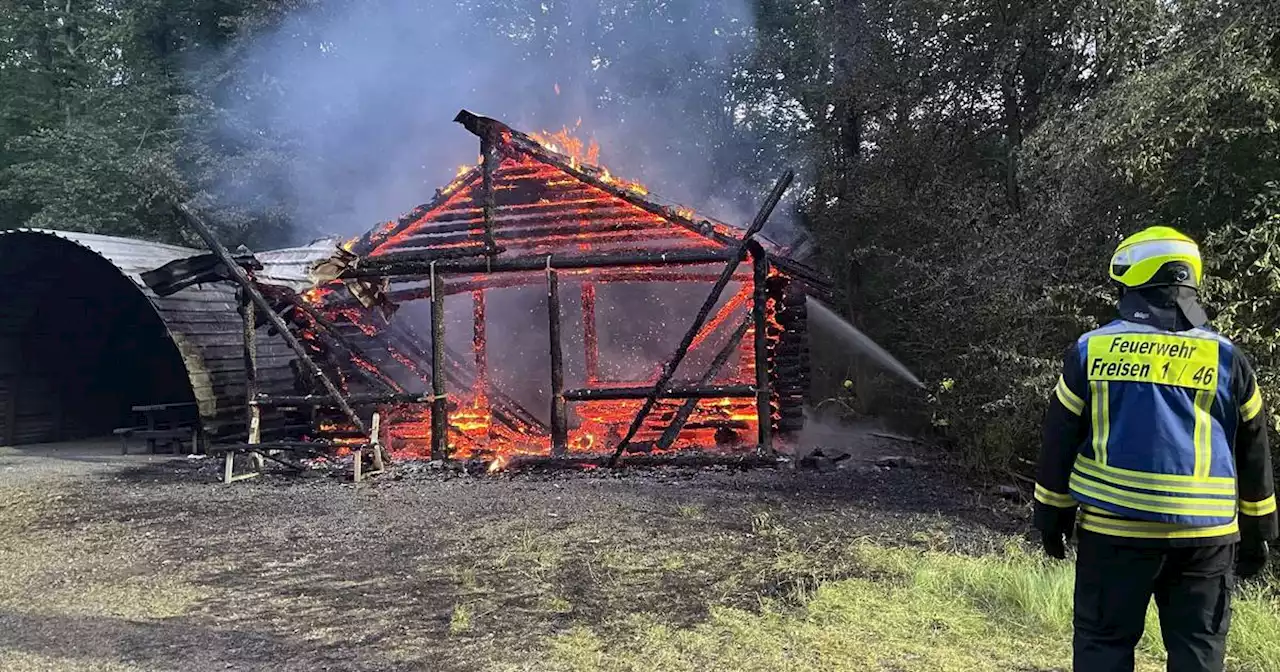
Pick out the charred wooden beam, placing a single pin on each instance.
(718, 320)
(590, 337)
(479, 347)
(469, 285)
(672, 432)
(439, 409)
(430, 239)
(678, 392)
(241, 277)
(377, 268)
(179, 274)
(759, 306)
(428, 254)
(700, 460)
(381, 380)
(321, 400)
(669, 369)
(559, 417)
(489, 160)
(253, 413)
(584, 200)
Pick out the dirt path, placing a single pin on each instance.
(110, 563)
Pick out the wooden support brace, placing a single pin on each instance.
(228, 468)
(672, 432)
(479, 347)
(735, 258)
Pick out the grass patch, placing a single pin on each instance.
(460, 620)
(909, 610)
(691, 511)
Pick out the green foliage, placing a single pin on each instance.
(93, 135)
(1245, 290)
(977, 162)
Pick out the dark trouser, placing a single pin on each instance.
(1114, 585)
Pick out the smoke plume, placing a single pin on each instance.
(363, 94)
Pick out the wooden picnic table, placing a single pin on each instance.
(162, 422)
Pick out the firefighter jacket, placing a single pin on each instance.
(1158, 437)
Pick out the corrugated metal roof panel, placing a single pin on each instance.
(290, 267)
(195, 316)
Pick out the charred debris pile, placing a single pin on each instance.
(393, 332)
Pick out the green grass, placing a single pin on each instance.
(909, 610)
(460, 620)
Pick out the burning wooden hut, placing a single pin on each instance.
(396, 339)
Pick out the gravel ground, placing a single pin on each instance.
(146, 563)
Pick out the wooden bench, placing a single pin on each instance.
(171, 437)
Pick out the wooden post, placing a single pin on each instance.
(759, 306)
(735, 258)
(590, 338)
(375, 437)
(439, 407)
(253, 414)
(478, 345)
(488, 164)
(254, 418)
(559, 418)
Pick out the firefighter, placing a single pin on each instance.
(1155, 448)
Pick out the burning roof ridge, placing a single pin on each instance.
(690, 217)
(512, 141)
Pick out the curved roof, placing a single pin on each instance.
(203, 322)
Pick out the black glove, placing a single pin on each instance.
(1252, 557)
(1057, 531)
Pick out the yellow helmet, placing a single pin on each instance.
(1157, 256)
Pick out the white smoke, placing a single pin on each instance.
(365, 93)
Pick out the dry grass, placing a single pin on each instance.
(170, 573)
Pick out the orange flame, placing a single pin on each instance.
(475, 432)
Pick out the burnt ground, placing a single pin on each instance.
(148, 563)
